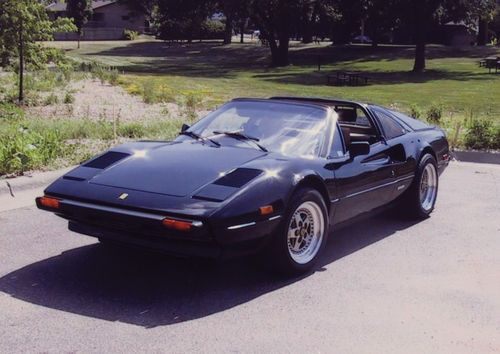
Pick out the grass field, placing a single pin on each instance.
(201, 76)
(217, 73)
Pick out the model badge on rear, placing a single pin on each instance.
(123, 196)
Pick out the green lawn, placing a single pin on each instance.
(217, 73)
(203, 75)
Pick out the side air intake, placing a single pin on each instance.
(106, 160)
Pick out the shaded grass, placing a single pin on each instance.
(219, 73)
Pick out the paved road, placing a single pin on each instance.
(383, 286)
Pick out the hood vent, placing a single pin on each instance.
(106, 160)
(238, 178)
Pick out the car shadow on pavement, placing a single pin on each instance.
(150, 290)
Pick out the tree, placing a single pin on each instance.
(421, 14)
(380, 18)
(274, 19)
(80, 11)
(236, 13)
(183, 19)
(22, 24)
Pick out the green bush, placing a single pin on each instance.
(496, 137)
(434, 114)
(415, 111)
(481, 134)
(24, 150)
(130, 35)
(131, 130)
(69, 98)
(10, 112)
(150, 93)
(51, 100)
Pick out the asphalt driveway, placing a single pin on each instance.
(384, 285)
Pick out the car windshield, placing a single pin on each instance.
(287, 128)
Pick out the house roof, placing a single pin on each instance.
(96, 4)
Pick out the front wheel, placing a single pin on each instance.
(302, 235)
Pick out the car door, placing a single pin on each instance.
(399, 139)
(363, 183)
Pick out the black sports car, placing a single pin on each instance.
(256, 174)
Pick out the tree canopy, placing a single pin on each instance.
(22, 24)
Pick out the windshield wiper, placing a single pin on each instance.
(198, 137)
(242, 137)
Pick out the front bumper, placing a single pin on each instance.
(211, 239)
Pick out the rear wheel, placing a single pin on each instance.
(302, 234)
(420, 199)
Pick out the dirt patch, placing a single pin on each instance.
(94, 100)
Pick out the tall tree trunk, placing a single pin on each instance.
(242, 35)
(420, 35)
(307, 30)
(21, 63)
(419, 65)
(280, 56)
(482, 35)
(228, 31)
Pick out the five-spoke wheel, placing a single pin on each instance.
(297, 244)
(305, 232)
(421, 196)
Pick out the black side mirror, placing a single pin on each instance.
(184, 127)
(358, 148)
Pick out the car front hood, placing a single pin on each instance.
(174, 169)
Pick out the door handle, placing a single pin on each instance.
(379, 161)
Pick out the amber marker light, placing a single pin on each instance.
(177, 224)
(49, 202)
(266, 210)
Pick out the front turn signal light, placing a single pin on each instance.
(177, 224)
(266, 210)
(49, 202)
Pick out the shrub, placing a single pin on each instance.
(69, 98)
(131, 130)
(434, 113)
(10, 112)
(51, 100)
(481, 135)
(25, 150)
(496, 137)
(130, 35)
(112, 76)
(149, 92)
(415, 111)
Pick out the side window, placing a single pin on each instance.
(361, 118)
(337, 146)
(392, 129)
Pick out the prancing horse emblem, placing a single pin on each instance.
(123, 196)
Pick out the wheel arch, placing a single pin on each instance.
(315, 182)
(427, 150)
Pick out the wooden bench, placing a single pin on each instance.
(343, 78)
(490, 63)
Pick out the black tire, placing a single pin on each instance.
(278, 251)
(411, 199)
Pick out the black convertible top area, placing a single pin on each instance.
(408, 122)
(325, 102)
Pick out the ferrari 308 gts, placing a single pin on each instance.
(256, 174)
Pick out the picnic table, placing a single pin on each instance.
(490, 63)
(342, 78)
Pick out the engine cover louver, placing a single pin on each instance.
(106, 160)
(238, 178)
